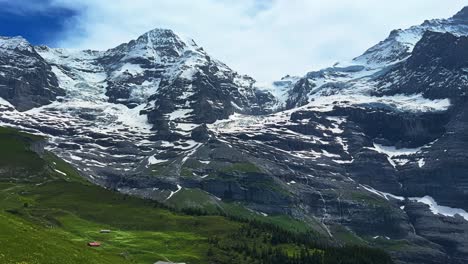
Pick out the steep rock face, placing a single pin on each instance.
(449, 232)
(26, 80)
(297, 96)
(442, 172)
(401, 129)
(437, 69)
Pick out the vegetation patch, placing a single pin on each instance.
(244, 167)
(368, 199)
(346, 236)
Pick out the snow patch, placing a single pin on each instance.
(152, 161)
(129, 117)
(439, 209)
(4, 102)
(60, 172)
(180, 114)
(407, 103)
(421, 163)
(172, 193)
(133, 69)
(73, 157)
(382, 194)
(392, 151)
(291, 182)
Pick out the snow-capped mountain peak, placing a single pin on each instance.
(18, 42)
(400, 43)
(362, 70)
(166, 38)
(160, 45)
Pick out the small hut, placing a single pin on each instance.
(94, 244)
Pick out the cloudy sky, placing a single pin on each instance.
(266, 39)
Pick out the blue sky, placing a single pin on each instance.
(37, 25)
(266, 39)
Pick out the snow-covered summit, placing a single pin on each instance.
(166, 38)
(162, 45)
(358, 75)
(11, 43)
(399, 44)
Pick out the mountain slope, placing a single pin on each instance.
(49, 213)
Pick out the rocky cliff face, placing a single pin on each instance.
(369, 152)
(437, 69)
(26, 80)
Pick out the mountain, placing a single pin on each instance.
(397, 47)
(367, 152)
(178, 80)
(49, 214)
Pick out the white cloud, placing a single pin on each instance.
(263, 38)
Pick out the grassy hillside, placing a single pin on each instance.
(48, 214)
